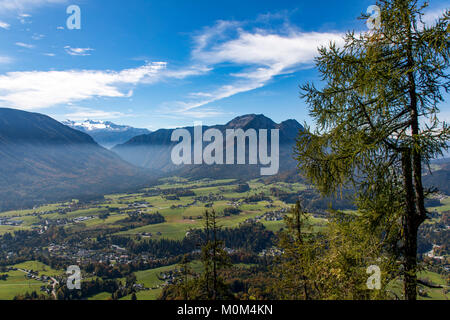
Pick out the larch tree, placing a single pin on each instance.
(376, 117)
(214, 258)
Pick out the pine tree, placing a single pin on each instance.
(208, 285)
(376, 117)
(331, 263)
(292, 270)
(186, 271)
(214, 258)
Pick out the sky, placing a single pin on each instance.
(163, 64)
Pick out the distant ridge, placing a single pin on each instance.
(154, 150)
(42, 161)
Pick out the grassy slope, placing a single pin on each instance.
(17, 283)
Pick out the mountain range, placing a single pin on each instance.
(106, 133)
(154, 150)
(42, 161)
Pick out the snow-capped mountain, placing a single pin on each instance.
(106, 133)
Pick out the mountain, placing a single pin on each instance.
(42, 160)
(154, 150)
(106, 133)
(439, 176)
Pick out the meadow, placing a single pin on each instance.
(181, 215)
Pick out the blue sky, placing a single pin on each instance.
(155, 64)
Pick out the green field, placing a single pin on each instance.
(41, 268)
(181, 215)
(17, 282)
(174, 211)
(149, 278)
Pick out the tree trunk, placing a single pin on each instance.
(415, 208)
(409, 231)
(214, 255)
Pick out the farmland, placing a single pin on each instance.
(111, 236)
(181, 214)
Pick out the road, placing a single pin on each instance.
(54, 282)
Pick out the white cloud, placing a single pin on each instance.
(78, 51)
(201, 94)
(182, 73)
(214, 33)
(23, 18)
(261, 55)
(220, 93)
(24, 45)
(41, 89)
(37, 36)
(267, 49)
(81, 113)
(21, 5)
(5, 60)
(4, 25)
(49, 54)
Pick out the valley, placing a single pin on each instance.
(134, 242)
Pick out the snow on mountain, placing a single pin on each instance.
(91, 125)
(106, 133)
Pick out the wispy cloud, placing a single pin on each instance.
(78, 51)
(257, 56)
(41, 89)
(190, 71)
(4, 25)
(261, 55)
(23, 18)
(24, 45)
(5, 60)
(181, 110)
(21, 5)
(37, 36)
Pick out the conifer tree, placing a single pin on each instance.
(296, 258)
(214, 258)
(377, 118)
(186, 271)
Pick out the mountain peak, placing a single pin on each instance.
(251, 121)
(290, 124)
(106, 133)
(17, 126)
(91, 125)
(42, 161)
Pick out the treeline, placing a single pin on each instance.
(115, 287)
(87, 290)
(135, 220)
(314, 202)
(252, 237)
